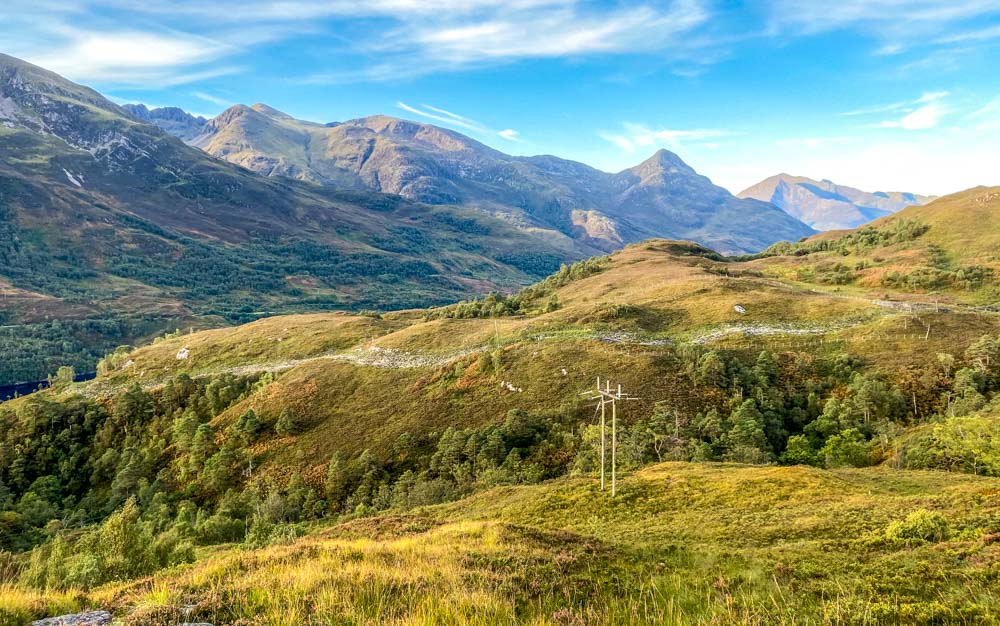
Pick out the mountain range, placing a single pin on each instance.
(110, 223)
(825, 205)
(661, 197)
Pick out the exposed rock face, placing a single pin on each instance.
(661, 197)
(89, 618)
(171, 119)
(825, 205)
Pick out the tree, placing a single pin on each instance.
(288, 423)
(799, 451)
(847, 449)
(745, 440)
(247, 427)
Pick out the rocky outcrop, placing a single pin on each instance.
(87, 618)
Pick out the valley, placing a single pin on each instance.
(304, 373)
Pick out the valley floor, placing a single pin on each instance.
(683, 543)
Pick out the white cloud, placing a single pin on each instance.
(987, 117)
(207, 97)
(566, 31)
(923, 118)
(982, 34)
(511, 135)
(132, 56)
(445, 117)
(931, 96)
(899, 24)
(636, 136)
(448, 118)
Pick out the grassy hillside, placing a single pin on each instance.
(682, 544)
(254, 433)
(947, 248)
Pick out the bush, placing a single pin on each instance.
(848, 449)
(920, 526)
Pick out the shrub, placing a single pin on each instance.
(920, 526)
(848, 449)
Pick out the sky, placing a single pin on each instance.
(887, 95)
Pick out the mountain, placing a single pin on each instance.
(662, 197)
(825, 205)
(171, 119)
(119, 230)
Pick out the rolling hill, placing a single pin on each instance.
(684, 544)
(455, 444)
(661, 197)
(111, 229)
(825, 205)
(947, 250)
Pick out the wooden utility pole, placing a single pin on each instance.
(607, 396)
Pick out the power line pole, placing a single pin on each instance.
(606, 396)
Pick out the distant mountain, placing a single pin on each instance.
(112, 224)
(825, 205)
(171, 119)
(662, 197)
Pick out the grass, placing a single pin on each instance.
(647, 292)
(682, 544)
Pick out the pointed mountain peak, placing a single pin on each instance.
(663, 162)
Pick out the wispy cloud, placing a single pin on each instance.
(922, 118)
(922, 113)
(449, 118)
(565, 31)
(987, 117)
(207, 97)
(511, 135)
(636, 136)
(906, 105)
(980, 34)
(132, 56)
(445, 117)
(899, 24)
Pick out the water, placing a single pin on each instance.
(22, 389)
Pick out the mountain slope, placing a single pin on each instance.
(825, 205)
(662, 197)
(104, 215)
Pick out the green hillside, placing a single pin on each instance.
(256, 434)
(948, 249)
(682, 544)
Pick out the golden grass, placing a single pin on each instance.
(682, 544)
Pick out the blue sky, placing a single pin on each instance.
(880, 94)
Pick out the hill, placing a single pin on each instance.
(661, 197)
(825, 205)
(113, 230)
(255, 433)
(946, 250)
(682, 544)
